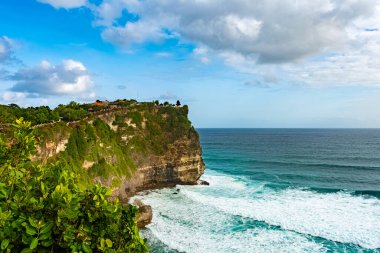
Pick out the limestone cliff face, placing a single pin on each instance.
(143, 146)
(181, 165)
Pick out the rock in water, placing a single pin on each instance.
(203, 182)
(145, 213)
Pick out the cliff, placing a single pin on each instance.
(129, 148)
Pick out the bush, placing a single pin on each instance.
(43, 209)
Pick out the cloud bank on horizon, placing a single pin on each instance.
(325, 43)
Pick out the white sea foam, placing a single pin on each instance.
(199, 219)
(188, 239)
(335, 216)
(189, 226)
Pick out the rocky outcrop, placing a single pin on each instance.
(50, 148)
(179, 166)
(145, 213)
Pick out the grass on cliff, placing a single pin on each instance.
(98, 144)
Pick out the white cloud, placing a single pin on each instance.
(325, 42)
(353, 61)
(225, 32)
(202, 52)
(138, 32)
(269, 31)
(107, 12)
(68, 78)
(343, 68)
(6, 52)
(12, 97)
(66, 4)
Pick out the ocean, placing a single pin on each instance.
(275, 190)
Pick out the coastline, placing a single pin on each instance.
(257, 204)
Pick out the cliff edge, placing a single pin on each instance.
(127, 146)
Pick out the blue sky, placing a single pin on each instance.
(236, 63)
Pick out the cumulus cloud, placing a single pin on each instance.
(68, 78)
(268, 31)
(67, 4)
(138, 32)
(325, 42)
(355, 63)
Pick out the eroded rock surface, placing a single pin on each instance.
(145, 213)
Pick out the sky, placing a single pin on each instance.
(236, 63)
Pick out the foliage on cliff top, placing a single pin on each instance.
(153, 128)
(42, 208)
(71, 112)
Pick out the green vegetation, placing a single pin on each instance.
(56, 207)
(96, 142)
(71, 112)
(68, 113)
(43, 209)
(156, 128)
(143, 130)
(140, 132)
(36, 115)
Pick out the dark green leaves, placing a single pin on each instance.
(86, 248)
(47, 228)
(34, 243)
(27, 250)
(31, 231)
(4, 244)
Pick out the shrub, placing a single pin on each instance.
(43, 209)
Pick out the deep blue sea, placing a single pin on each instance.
(275, 190)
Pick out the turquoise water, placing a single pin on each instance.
(275, 190)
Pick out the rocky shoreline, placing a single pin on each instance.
(146, 212)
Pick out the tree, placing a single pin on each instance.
(73, 105)
(178, 103)
(14, 105)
